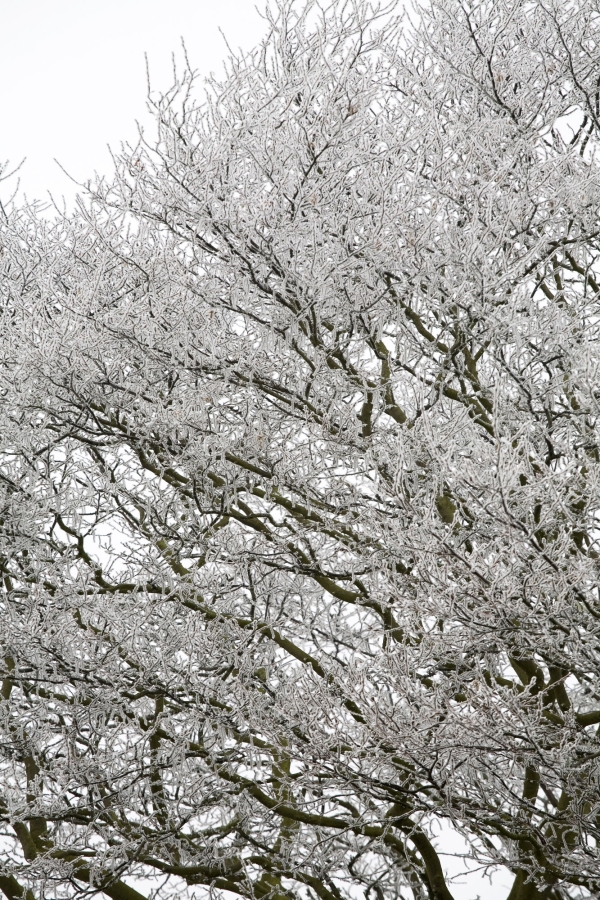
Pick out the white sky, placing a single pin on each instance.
(73, 79)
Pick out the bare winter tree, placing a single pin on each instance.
(300, 475)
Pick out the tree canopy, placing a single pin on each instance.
(300, 475)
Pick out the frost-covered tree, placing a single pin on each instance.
(300, 475)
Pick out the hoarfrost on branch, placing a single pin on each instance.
(300, 475)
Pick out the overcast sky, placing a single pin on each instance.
(73, 78)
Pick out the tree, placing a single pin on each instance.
(301, 477)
